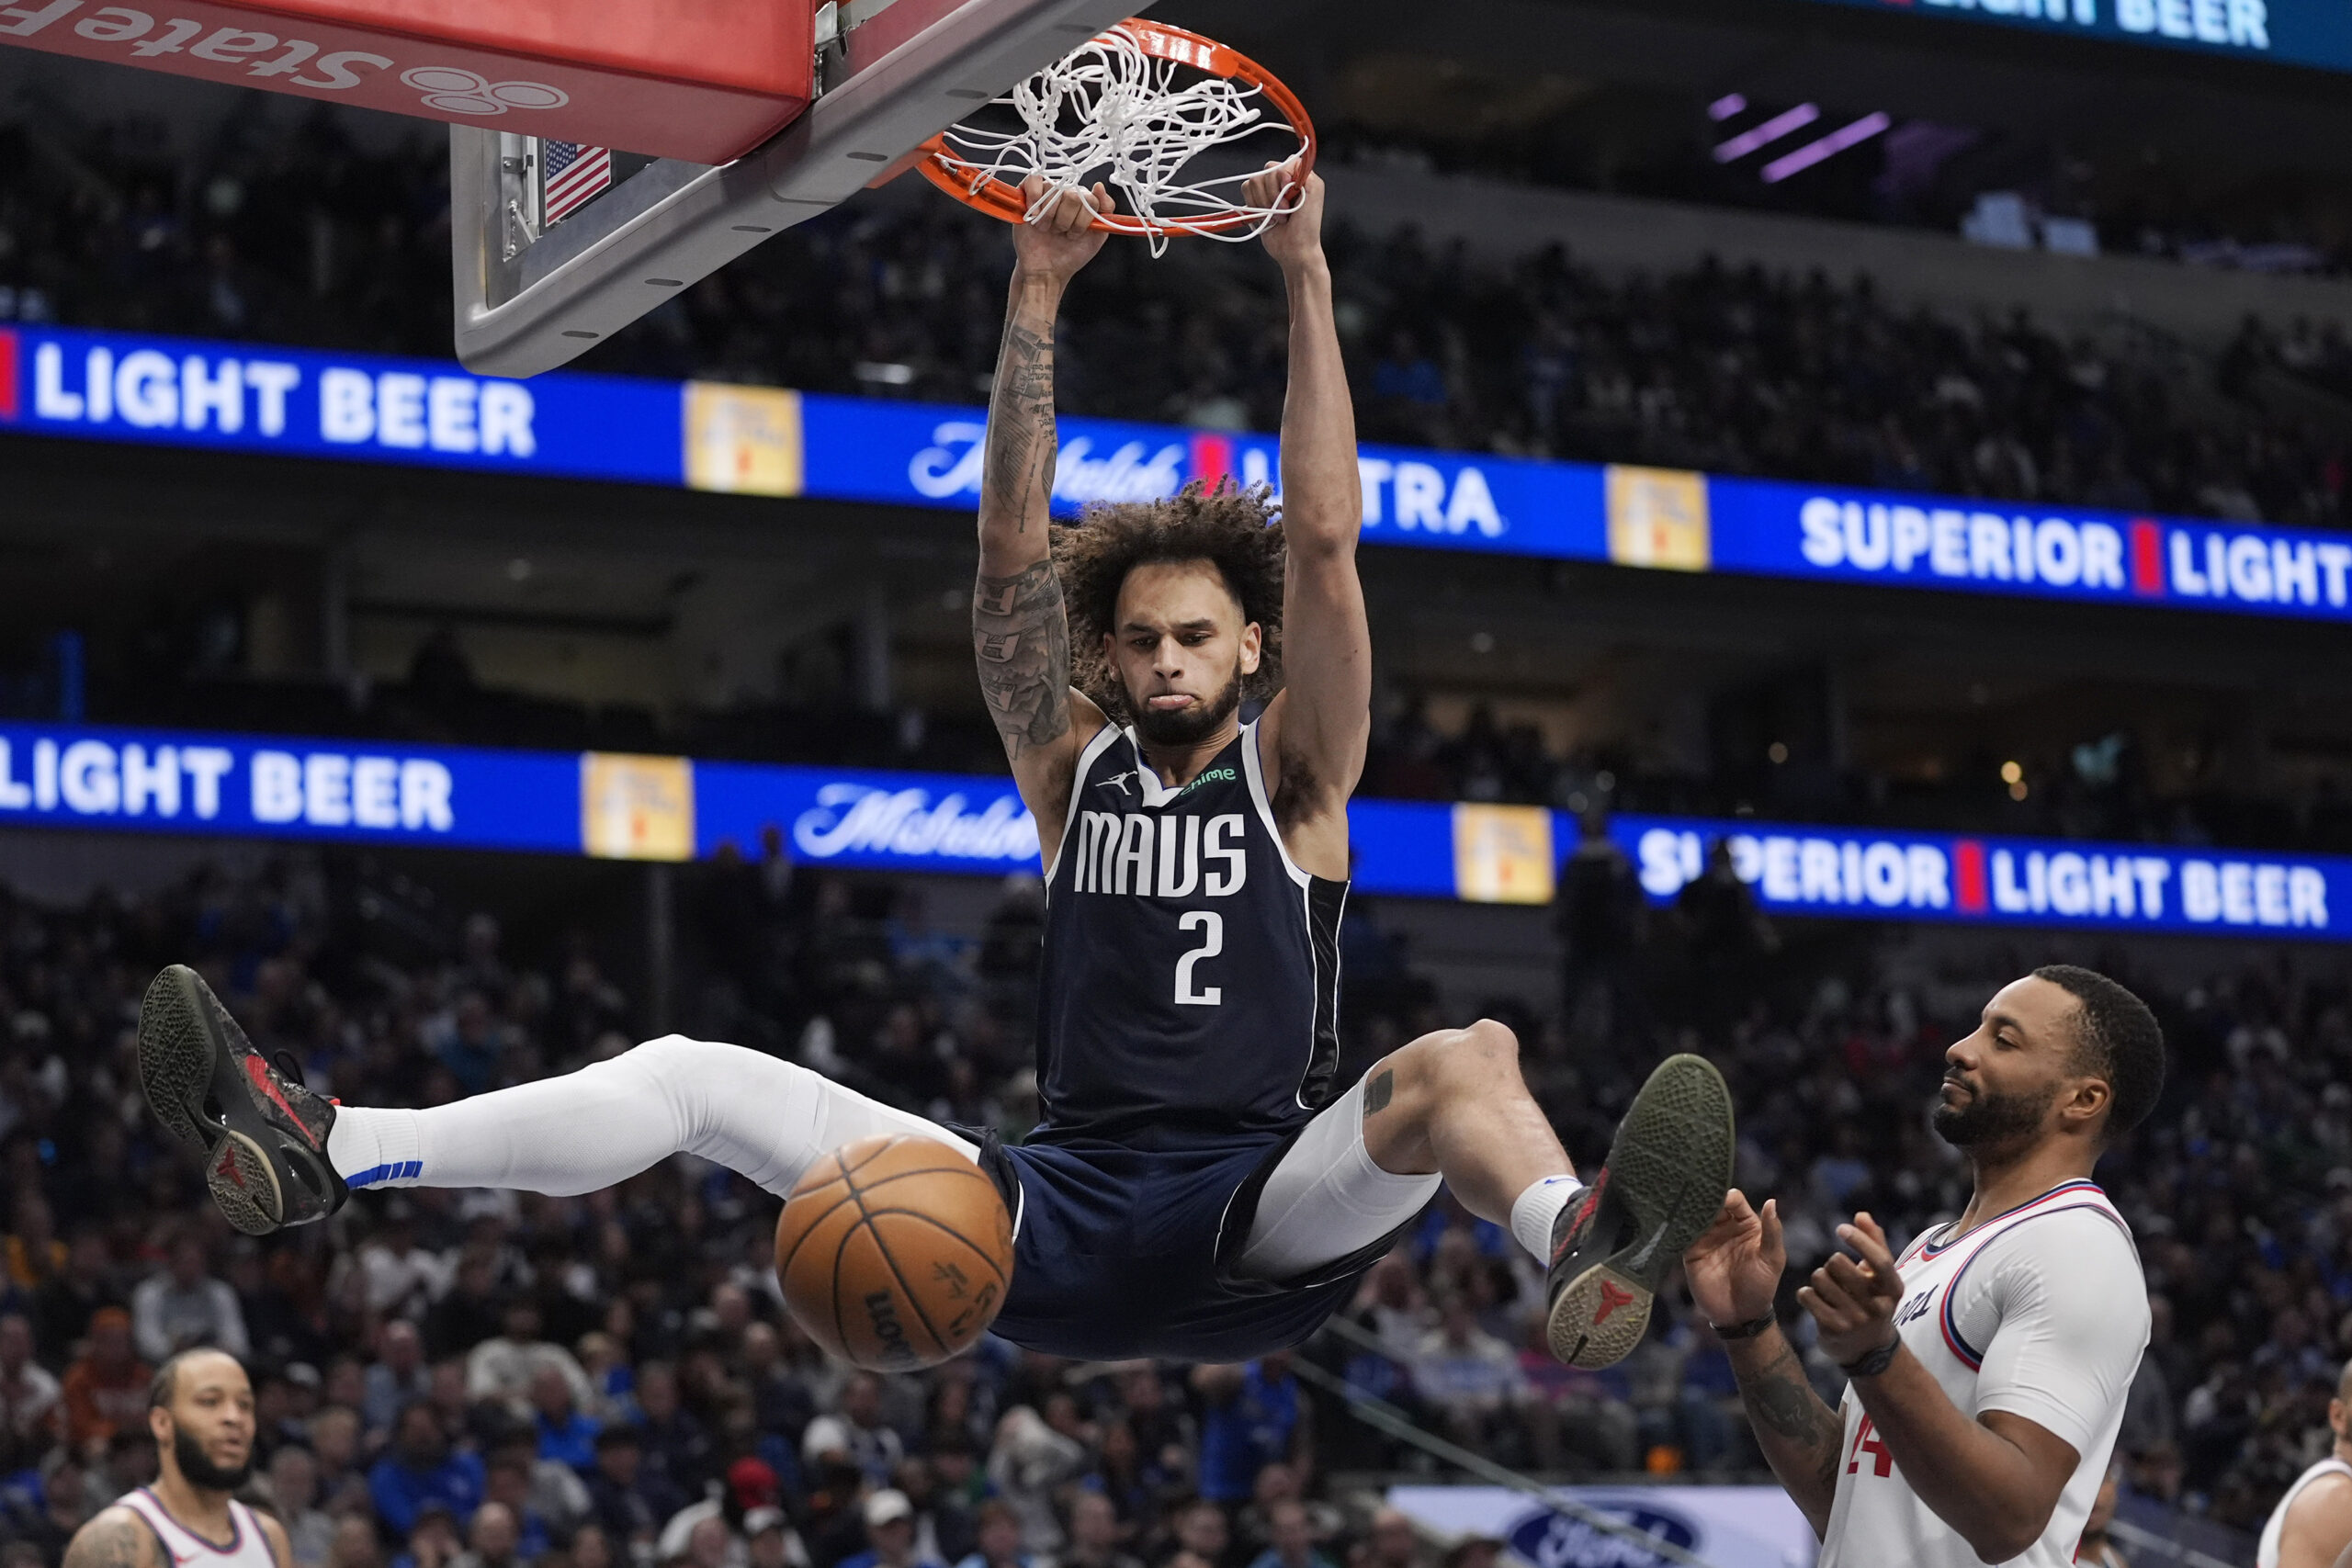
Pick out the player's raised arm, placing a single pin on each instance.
(1322, 720)
(1733, 1272)
(1020, 635)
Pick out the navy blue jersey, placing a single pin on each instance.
(1191, 974)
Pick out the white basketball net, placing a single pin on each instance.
(1108, 111)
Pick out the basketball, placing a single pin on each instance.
(893, 1252)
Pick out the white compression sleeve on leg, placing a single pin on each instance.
(1328, 1198)
(754, 1114)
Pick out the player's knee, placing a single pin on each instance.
(1460, 1061)
(1492, 1044)
(1478, 1055)
(676, 1058)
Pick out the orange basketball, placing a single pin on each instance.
(893, 1252)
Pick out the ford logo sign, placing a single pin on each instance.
(1549, 1539)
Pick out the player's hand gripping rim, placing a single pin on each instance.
(1060, 237)
(1853, 1299)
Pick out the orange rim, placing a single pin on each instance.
(1001, 198)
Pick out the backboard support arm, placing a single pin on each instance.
(530, 299)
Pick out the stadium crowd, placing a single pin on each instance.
(314, 239)
(478, 1380)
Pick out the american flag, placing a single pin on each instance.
(575, 172)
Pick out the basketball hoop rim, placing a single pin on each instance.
(1001, 199)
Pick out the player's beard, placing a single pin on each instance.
(196, 1465)
(1189, 726)
(1987, 1118)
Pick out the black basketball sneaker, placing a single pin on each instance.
(1667, 1171)
(264, 1136)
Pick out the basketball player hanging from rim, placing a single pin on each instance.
(1988, 1367)
(1201, 1189)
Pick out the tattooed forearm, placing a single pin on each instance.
(1799, 1434)
(1022, 438)
(1021, 640)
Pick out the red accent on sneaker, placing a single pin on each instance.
(1612, 1296)
(228, 1166)
(265, 1082)
(1585, 1209)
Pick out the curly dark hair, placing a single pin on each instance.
(1237, 530)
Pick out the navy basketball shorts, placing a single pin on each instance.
(1124, 1251)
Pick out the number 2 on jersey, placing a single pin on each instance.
(1189, 991)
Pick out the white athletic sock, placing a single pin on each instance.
(754, 1114)
(372, 1147)
(1534, 1210)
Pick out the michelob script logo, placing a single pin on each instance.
(951, 466)
(856, 819)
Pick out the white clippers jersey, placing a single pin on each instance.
(2041, 1312)
(2266, 1554)
(247, 1548)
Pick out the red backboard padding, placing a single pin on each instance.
(704, 81)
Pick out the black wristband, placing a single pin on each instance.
(1877, 1361)
(1748, 1330)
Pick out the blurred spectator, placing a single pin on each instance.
(567, 1434)
(63, 1307)
(1201, 1534)
(768, 1540)
(106, 1388)
(397, 1377)
(182, 1306)
(1000, 1541)
(400, 1276)
(32, 1405)
(355, 1544)
(336, 1450)
(35, 1255)
(856, 1434)
(435, 1539)
(491, 1541)
(506, 1485)
(1393, 1543)
(630, 1504)
(294, 1485)
(1029, 1464)
(1597, 911)
(889, 1533)
(1255, 1416)
(1291, 1542)
(1094, 1536)
(1470, 1378)
(419, 1470)
(678, 1449)
(505, 1368)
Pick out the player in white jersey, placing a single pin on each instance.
(1987, 1368)
(201, 1409)
(2312, 1526)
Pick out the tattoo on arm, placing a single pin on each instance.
(1020, 640)
(1022, 438)
(1380, 1091)
(110, 1541)
(1785, 1406)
